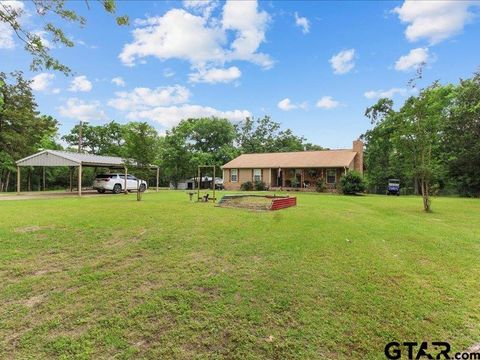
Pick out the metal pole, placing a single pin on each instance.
(70, 176)
(43, 177)
(80, 179)
(158, 176)
(126, 174)
(214, 184)
(198, 187)
(18, 180)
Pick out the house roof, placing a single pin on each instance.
(299, 159)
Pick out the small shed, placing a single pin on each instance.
(49, 158)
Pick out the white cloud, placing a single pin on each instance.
(434, 21)
(343, 62)
(143, 98)
(286, 105)
(377, 94)
(6, 32)
(327, 102)
(413, 60)
(42, 82)
(182, 35)
(303, 23)
(172, 115)
(168, 72)
(80, 83)
(216, 75)
(82, 110)
(118, 81)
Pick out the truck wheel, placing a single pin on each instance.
(117, 189)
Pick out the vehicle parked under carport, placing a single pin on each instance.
(116, 182)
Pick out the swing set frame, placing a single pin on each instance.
(199, 180)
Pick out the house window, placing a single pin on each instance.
(331, 176)
(233, 175)
(257, 174)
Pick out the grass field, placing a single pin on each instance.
(335, 277)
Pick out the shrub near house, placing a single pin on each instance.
(352, 183)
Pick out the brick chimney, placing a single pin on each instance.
(357, 146)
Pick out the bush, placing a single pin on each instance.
(352, 183)
(294, 182)
(260, 186)
(320, 185)
(247, 186)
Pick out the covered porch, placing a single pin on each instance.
(305, 179)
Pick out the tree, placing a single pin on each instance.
(418, 135)
(461, 142)
(108, 139)
(264, 135)
(22, 130)
(11, 14)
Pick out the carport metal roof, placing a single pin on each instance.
(48, 158)
(68, 158)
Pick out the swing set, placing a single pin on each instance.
(206, 197)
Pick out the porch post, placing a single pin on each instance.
(80, 179)
(270, 177)
(125, 180)
(283, 177)
(43, 177)
(158, 176)
(18, 179)
(302, 179)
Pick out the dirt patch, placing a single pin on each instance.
(28, 229)
(248, 202)
(34, 300)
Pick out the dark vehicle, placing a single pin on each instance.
(393, 187)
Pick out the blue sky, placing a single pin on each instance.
(312, 66)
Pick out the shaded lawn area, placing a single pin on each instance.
(335, 277)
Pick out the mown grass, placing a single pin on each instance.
(335, 277)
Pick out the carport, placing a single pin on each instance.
(72, 160)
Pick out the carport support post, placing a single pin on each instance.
(43, 177)
(158, 176)
(214, 184)
(80, 179)
(18, 180)
(125, 182)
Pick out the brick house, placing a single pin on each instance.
(299, 169)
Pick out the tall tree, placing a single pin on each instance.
(461, 142)
(22, 130)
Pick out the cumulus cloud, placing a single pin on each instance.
(413, 60)
(286, 105)
(327, 102)
(210, 42)
(216, 75)
(80, 84)
(6, 32)
(143, 98)
(82, 110)
(434, 21)
(118, 81)
(343, 62)
(172, 115)
(302, 22)
(390, 93)
(41, 82)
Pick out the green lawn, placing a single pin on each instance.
(336, 277)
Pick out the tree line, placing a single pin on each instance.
(431, 142)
